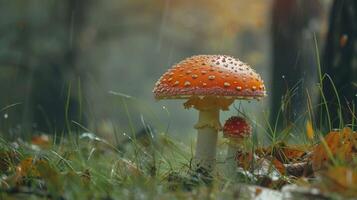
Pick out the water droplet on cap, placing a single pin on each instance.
(211, 77)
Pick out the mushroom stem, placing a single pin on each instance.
(207, 132)
(231, 164)
(234, 146)
(231, 152)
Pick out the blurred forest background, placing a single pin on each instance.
(50, 49)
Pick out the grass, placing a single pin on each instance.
(83, 165)
(94, 169)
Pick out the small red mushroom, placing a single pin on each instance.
(237, 127)
(238, 132)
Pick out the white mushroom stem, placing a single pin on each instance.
(231, 152)
(207, 132)
(231, 163)
(233, 148)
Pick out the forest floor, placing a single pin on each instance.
(86, 166)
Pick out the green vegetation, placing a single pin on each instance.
(82, 165)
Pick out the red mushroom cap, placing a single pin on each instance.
(210, 75)
(237, 127)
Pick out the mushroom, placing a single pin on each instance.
(209, 83)
(238, 132)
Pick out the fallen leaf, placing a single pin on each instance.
(41, 140)
(244, 159)
(279, 166)
(337, 145)
(287, 153)
(27, 168)
(341, 179)
(50, 175)
(292, 153)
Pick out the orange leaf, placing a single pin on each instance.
(342, 180)
(288, 154)
(340, 144)
(244, 160)
(279, 166)
(26, 168)
(41, 140)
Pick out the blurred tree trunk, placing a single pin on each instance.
(59, 74)
(293, 25)
(340, 61)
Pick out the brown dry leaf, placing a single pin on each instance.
(39, 169)
(284, 153)
(293, 153)
(27, 168)
(341, 145)
(50, 175)
(244, 159)
(41, 140)
(279, 166)
(341, 179)
(30, 167)
(24, 169)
